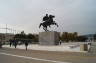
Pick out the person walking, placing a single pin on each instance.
(0, 44)
(15, 43)
(10, 42)
(26, 45)
(60, 42)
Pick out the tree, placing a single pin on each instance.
(64, 36)
(36, 38)
(94, 36)
(30, 36)
(69, 36)
(75, 35)
(82, 38)
(22, 35)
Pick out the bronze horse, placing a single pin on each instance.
(48, 23)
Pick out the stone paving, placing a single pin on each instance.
(74, 57)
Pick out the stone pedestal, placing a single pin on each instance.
(49, 38)
(84, 47)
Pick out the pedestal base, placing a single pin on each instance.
(49, 38)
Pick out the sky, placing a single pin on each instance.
(71, 15)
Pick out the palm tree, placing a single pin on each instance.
(64, 36)
(75, 34)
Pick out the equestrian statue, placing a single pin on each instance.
(47, 21)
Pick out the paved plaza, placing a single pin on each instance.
(72, 47)
(8, 55)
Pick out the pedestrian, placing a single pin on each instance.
(0, 44)
(15, 43)
(60, 42)
(26, 45)
(10, 42)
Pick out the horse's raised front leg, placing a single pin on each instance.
(40, 25)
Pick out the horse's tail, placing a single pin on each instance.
(55, 23)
